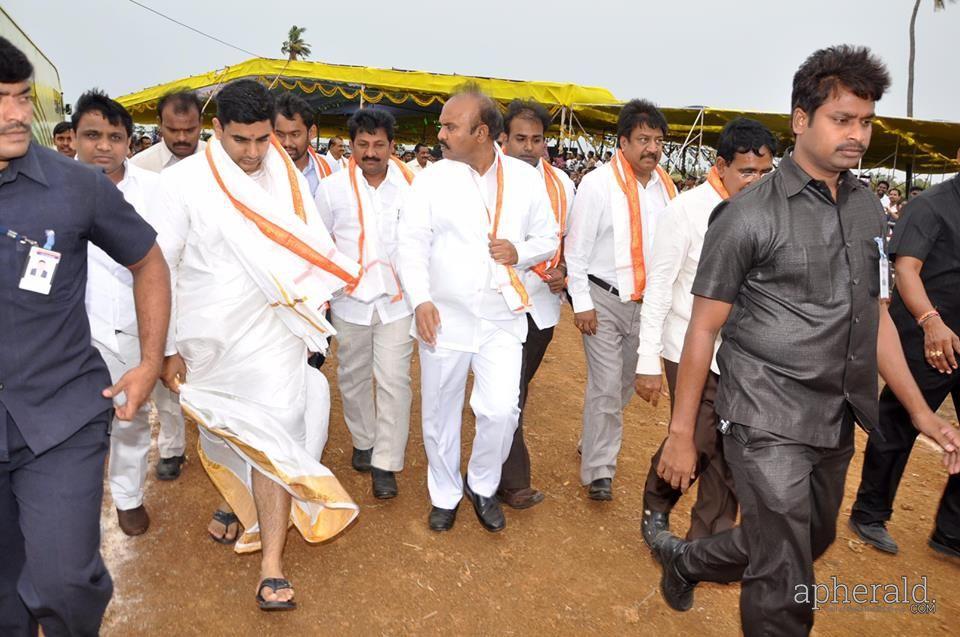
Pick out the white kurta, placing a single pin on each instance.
(248, 384)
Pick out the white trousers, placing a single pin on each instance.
(130, 441)
(495, 403)
(377, 418)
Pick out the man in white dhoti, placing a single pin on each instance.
(614, 219)
(523, 137)
(295, 128)
(252, 266)
(103, 130)
(360, 207)
(471, 225)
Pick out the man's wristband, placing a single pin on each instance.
(926, 316)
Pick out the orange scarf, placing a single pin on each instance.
(322, 164)
(352, 168)
(558, 201)
(628, 184)
(713, 178)
(515, 282)
(274, 232)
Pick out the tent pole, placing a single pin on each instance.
(362, 87)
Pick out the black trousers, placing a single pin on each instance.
(889, 447)
(790, 495)
(54, 577)
(516, 469)
(716, 507)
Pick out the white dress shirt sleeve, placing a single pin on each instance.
(578, 244)
(171, 220)
(541, 240)
(415, 236)
(670, 245)
(322, 201)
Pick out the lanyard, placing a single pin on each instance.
(16, 236)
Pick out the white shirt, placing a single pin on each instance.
(415, 166)
(885, 202)
(589, 245)
(337, 206)
(546, 305)
(336, 165)
(667, 300)
(158, 157)
(444, 253)
(109, 293)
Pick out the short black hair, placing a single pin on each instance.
(526, 109)
(828, 70)
(896, 190)
(743, 135)
(245, 102)
(290, 105)
(916, 189)
(96, 101)
(62, 128)
(369, 120)
(636, 113)
(489, 111)
(181, 101)
(883, 181)
(416, 149)
(14, 65)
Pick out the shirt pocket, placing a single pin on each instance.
(804, 272)
(871, 265)
(389, 222)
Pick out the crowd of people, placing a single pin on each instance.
(208, 277)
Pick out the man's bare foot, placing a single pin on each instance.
(270, 590)
(224, 526)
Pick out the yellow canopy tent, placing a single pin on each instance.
(414, 97)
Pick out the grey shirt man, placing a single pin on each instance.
(802, 273)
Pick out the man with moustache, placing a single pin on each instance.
(180, 125)
(361, 208)
(525, 125)
(55, 412)
(294, 129)
(794, 264)
(745, 153)
(608, 247)
(63, 139)
(335, 152)
(470, 227)
(103, 131)
(421, 158)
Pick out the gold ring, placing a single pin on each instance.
(938, 353)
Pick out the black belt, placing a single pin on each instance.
(604, 285)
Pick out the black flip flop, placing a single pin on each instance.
(275, 584)
(226, 518)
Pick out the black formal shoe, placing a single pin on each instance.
(942, 544)
(488, 509)
(361, 459)
(601, 489)
(875, 534)
(384, 484)
(169, 468)
(653, 522)
(677, 590)
(442, 519)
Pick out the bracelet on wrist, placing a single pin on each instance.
(926, 316)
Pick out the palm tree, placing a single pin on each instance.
(295, 47)
(937, 5)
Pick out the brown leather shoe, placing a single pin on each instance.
(520, 498)
(134, 522)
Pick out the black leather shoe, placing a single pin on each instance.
(361, 459)
(942, 544)
(384, 484)
(169, 468)
(488, 510)
(676, 589)
(875, 534)
(601, 489)
(442, 519)
(653, 522)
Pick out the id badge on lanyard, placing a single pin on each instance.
(40, 270)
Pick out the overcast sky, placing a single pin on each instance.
(675, 52)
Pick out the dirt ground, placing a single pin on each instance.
(568, 566)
